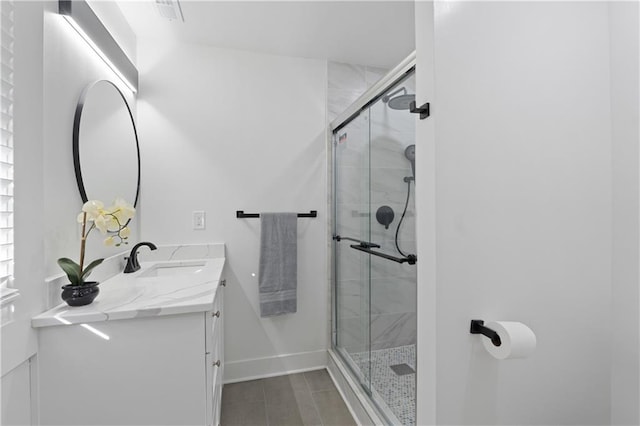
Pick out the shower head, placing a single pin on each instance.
(410, 153)
(399, 102)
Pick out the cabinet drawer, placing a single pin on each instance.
(213, 324)
(216, 315)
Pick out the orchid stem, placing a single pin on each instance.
(83, 242)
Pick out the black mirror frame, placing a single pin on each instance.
(76, 139)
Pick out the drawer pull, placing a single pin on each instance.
(217, 314)
(223, 283)
(217, 363)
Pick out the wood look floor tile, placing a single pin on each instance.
(332, 409)
(250, 391)
(319, 380)
(244, 414)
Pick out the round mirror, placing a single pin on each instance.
(106, 155)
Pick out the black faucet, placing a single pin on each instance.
(132, 260)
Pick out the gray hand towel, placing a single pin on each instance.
(278, 270)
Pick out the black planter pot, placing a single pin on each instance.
(80, 295)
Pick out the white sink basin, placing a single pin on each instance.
(172, 269)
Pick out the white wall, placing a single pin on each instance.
(625, 48)
(111, 16)
(523, 168)
(425, 221)
(224, 130)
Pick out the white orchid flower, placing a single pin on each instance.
(125, 232)
(93, 209)
(110, 221)
(112, 224)
(101, 223)
(122, 210)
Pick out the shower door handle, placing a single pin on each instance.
(411, 259)
(364, 244)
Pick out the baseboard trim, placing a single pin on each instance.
(259, 368)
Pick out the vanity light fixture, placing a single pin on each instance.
(87, 24)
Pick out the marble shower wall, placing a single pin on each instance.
(370, 168)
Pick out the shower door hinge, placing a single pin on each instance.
(423, 110)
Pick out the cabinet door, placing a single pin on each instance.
(149, 372)
(219, 342)
(209, 369)
(214, 359)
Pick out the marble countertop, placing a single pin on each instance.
(137, 295)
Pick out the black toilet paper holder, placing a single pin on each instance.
(477, 327)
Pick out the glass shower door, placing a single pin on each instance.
(393, 284)
(352, 269)
(375, 250)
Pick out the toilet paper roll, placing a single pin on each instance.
(518, 340)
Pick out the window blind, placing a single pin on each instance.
(6, 140)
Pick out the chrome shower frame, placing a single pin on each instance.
(375, 92)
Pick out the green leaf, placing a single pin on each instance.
(89, 268)
(72, 269)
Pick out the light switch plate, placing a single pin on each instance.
(199, 219)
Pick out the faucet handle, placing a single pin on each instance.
(132, 260)
(132, 265)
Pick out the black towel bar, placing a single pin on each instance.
(240, 214)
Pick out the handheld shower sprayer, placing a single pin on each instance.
(410, 153)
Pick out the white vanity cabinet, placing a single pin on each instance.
(156, 369)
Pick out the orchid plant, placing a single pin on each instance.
(111, 222)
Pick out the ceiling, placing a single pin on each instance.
(375, 33)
